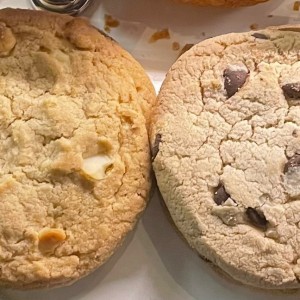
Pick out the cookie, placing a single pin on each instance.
(226, 153)
(74, 152)
(225, 3)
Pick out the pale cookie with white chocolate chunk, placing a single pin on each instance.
(74, 153)
(226, 153)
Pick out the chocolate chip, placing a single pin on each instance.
(293, 162)
(234, 80)
(221, 195)
(292, 90)
(260, 36)
(256, 218)
(295, 133)
(155, 147)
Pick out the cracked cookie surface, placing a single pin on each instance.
(74, 158)
(226, 140)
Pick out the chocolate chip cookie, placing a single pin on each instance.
(226, 153)
(74, 158)
(225, 3)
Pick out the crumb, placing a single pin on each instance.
(185, 48)
(159, 35)
(296, 6)
(254, 26)
(175, 46)
(270, 16)
(203, 33)
(107, 28)
(110, 22)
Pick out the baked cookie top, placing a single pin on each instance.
(226, 3)
(226, 153)
(74, 159)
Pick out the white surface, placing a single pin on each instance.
(154, 262)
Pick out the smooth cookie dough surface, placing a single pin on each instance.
(226, 3)
(74, 158)
(226, 153)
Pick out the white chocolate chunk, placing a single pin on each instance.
(96, 166)
(50, 238)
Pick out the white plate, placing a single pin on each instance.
(154, 262)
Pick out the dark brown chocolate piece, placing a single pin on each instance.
(260, 36)
(256, 218)
(155, 147)
(292, 90)
(234, 80)
(221, 195)
(293, 162)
